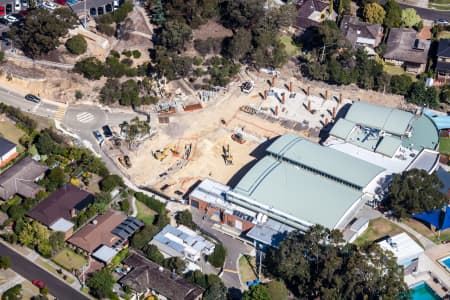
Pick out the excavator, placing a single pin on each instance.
(125, 161)
(228, 158)
(238, 137)
(162, 154)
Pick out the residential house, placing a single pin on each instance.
(8, 151)
(405, 49)
(443, 61)
(21, 179)
(106, 235)
(182, 242)
(148, 278)
(57, 210)
(361, 34)
(311, 13)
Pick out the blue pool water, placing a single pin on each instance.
(423, 292)
(446, 262)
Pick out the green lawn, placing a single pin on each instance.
(247, 268)
(291, 48)
(146, 214)
(444, 145)
(10, 132)
(69, 260)
(427, 232)
(440, 1)
(378, 228)
(51, 269)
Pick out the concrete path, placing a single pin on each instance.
(428, 244)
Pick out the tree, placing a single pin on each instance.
(400, 84)
(5, 262)
(393, 14)
(56, 179)
(184, 217)
(13, 293)
(142, 237)
(276, 289)
(110, 182)
(174, 35)
(57, 240)
(410, 17)
(158, 13)
(110, 92)
(44, 143)
(152, 252)
(124, 205)
(216, 289)
(76, 45)
(26, 235)
(175, 264)
(101, 283)
(374, 13)
(422, 95)
(90, 67)
(240, 44)
(130, 93)
(41, 30)
(319, 265)
(415, 191)
(242, 13)
(217, 258)
(257, 292)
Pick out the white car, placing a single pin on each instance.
(17, 6)
(11, 19)
(49, 5)
(116, 4)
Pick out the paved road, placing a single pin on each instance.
(31, 271)
(429, 14)
(43, 109)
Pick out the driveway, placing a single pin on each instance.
(235, 249)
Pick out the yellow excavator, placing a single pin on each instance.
(162, 154)
(227, 157)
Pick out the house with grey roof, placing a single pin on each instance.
(443, 61)
(8, 151)
(361, 34)
(147, 278)
(21, 179)
(311, 13)
(403, 48)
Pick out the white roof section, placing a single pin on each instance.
(105, 253)
(403, 247)
(61, 225)
(210, 191)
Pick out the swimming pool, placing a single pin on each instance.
(422, 291)
(445, 262)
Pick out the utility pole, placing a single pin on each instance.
(85, 15)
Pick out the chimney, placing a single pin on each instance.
(290, 86)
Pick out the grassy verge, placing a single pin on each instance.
(12, 133)
(444, 146)
(380, 228)
(51, 269)
(427, 232)
(291, 48)
(247, 268)
(146, 214)
(69, 260)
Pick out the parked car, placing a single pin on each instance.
(39, 283)
(441, 22)
(3, 21)
(98, 136)
(49, 5)
(2, 11)
(17, 5)
(11, 19)
(61, 2)
(107, 131)
(32, 98)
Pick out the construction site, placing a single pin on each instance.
(220, 137)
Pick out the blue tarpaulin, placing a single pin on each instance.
(438, 218)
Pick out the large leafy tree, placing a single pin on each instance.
(256, 292)
(242, 13)
(101, 283)
(420, 94)
(393, 14)
(41, 30)
(410, 17)
(174, 35)
(374, 13)
(319, 265)
(415, 191)
(240, 44)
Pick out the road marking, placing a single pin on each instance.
(85, 117)
(35, 108)
(230, 271)
(60, 112)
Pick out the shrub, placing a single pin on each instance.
(184, 217)
(151, 202)
(127, 53)
(110, 182)
(124, 206)
(13, 293)
(217, 258)
(78, 94)
(5, 262)
(76, 45)
(136, 54)
(105, 19)
(126, 61)
(152, 253)
(90, 67)
(114, 53)
(106, 29)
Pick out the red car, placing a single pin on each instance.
(2, 11)
(62, 2)
(38, 283)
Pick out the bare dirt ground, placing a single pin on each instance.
(209, 130)
(211, 30)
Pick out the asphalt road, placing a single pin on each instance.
(429, 14)
(31, 271)
(43, 109)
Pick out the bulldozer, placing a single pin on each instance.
(125, 161)
(162, 154)
(238, 137)
(227, 157)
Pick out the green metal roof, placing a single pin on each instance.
(342, 128)
(394, 121)
(424, 134)
(324, 161)
(297, 192)
(389, 145)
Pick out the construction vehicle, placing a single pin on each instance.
(247, 87)
(162, 154)
(125, 161)
(228, 158)
(238, 137)
(248, 109)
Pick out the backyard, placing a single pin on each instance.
(291, 48)
(69, 260)
(10, 132)
(146, 214)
